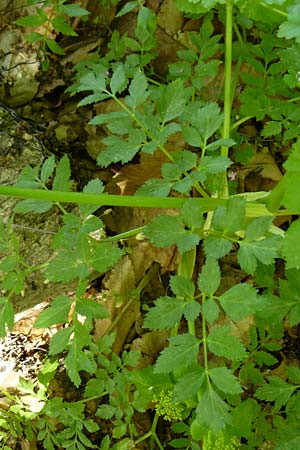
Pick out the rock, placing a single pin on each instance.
(21, 145)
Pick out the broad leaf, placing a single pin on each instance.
(225, 381)
(91, 309)
(182, 352)
(6, 316)
(230, 219)
(106, 411)
(257, 228)
(105, 256)
(263, 250)
(222, 344)
(66, 267)
(118, 81)
(212, 411)
(210, 277)
(47, 168)
(61, 25)
(210, 310)
(93, 187)
(74, 10)
(32, 20)
(188, 385)
(216, 248)
(155, 187)
(137, 90)
(166, 313)
(172, 100)
(57, 312)
(164, 231)
(121, 148)
(240, 301)
(32, 205)
(62, 180)
(291, 28)
(277, 390)
(182, 287)
(192, 215)
(290, 295)
(291, 245)
(60, 341)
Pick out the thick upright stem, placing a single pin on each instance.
(227, 88)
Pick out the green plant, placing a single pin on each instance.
(52, 15)
(212, 380)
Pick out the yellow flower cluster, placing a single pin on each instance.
(166, 408)
(221, 443)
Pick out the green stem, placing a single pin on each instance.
(207, 204)
(151, 434)
(278, 11)
(125, 235)
(227, 82)
(227, 90)
(107, 200)
(240, 122)
(141, 125)
(146, 130)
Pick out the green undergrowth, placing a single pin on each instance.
(215, 384)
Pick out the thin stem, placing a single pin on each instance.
(125, 235)
(146, 130)
(131, 113)
(240, 122)
(278, 11)
(291, 100)
(151, 434)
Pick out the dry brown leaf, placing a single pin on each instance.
(150, 345)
